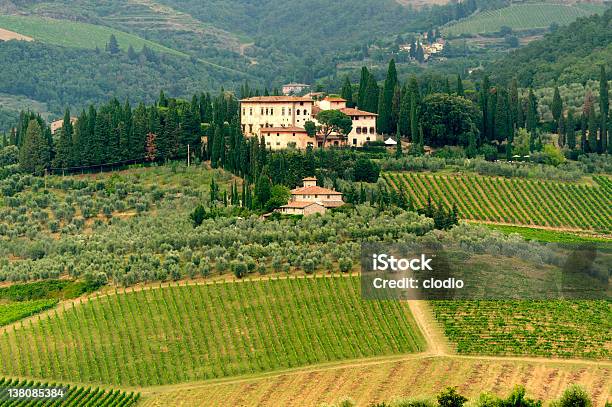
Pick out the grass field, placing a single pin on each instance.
(372, 382)
(74, 396)
(14, 311)
(578, 329)
(543, 235)
(523, 17)
(76, 34)
(515, 201)
(178, 334)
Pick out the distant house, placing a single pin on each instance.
(311, 198)
(294, 88)
(58, 124)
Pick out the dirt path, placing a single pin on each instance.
(6, 35)
(434, 337)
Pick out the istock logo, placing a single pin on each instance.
(385, 262)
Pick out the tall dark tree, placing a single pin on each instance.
(593, 130)
(63, 152)
(371, 97)
(398, 147)
(532, 112)
(604, 107)
(502, 124)
(483, 102)
(570, 130)
(112, 46)
(460, 91)
(557, 107)
(514, 101)
(385, 115)
(363, 85)
(34, 154)
(347, 92)
(403, 124)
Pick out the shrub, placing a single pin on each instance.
(450, 398)
(575, 396)
(239, 268)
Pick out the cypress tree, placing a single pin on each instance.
(604, 107)
(561, 131)
(63, 156)
(112, 46)
(371, 98)
(491, 111)
(570, 130)
(363, 86)
(414, 122)
(385, 114)
(398, 147)
(34, 154)
(460, 91)
(347, 92)
(502, 126)
(140, 129)
(593, 128)
(514, 107)
(557, 106)
(532, 112)
(404, 114)
(483, 101)
(413, 89)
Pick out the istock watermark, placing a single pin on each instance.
(433, 271)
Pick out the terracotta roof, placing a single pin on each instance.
(356, 112)
(276, 99)
(288, 129)
(300, 204)
(314, 190)
(334, 99)
(332, 204)
(310, 179)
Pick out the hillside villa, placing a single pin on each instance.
(281, 120)
(310, 199)
(294, 88)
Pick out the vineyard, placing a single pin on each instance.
(578, 329)
(74, 396)
(516, 201)
(197, 332)
(76, 34)
(12, 312)
(523, 17)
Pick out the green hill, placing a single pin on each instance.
(571, 54)
(523, 17)
(76, 34)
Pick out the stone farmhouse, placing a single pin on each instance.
(281, 120)
(310, 199)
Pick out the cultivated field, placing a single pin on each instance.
(375, 381)
(514, 201)
(6, 35)
(177, 334)
(523, 17)
(568, 329)
(75, 34)
(74, 396)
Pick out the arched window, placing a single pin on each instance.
(297, 112)
(364, 130)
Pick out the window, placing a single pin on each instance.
(250, 128)
(283, 111)
(358, 130)
(293, 134)
(355, 118)
(278, 143)
(372, 131)
(289, 111)
(301, 103)
(262, 111)
(364, 130)
(367, 139)
(297, 112)
(354, 141)
(272, 111)
(243, 111)
(251, 111)
(277, 134)
(266, 111)
(243, 127)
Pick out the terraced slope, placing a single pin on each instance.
(523, 17)
(516, 201)
(177, 334)
(76, 34)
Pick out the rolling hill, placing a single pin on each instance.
(523, 17)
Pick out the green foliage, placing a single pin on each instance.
(279, 196)
(112, 348)
(46, 289)
(333, 121)
(562, 57)
(450, 398)
(366, 170)
(198, 215)
(575, 396)
(35, 153)
(12, 312)
(73, 395)
(448, 120)
(522, 17)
